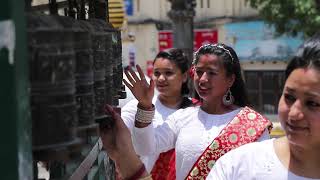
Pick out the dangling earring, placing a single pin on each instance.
(228, 99)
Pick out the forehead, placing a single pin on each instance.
(209, 60)
(304, 79)
(161, 63)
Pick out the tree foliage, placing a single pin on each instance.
(290, 16)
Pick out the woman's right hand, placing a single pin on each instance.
(139, 87)
(116, 140)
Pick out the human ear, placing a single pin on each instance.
(231, 79)
(184, 77)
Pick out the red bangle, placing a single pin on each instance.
(138, 174)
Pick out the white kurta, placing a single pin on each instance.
(128, 113)
(189, 131)
(256, 160)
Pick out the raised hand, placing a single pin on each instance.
(139, 87)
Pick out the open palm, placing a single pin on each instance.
(139, 86)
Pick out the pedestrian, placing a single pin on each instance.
(201, 134)
(170, 79)
(296, 155)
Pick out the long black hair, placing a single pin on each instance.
(232, 66)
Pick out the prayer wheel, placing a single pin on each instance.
(114, 74)
(52, 66)
(117, 69)
(113, 62)
(84, 75)
(98, 47)
(109, 60)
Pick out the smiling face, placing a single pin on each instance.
(210, 79)
(299, 107)
(168, 77)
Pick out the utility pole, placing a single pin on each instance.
(181, 14)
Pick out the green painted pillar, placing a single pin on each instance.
(15, 128)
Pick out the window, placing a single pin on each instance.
(208, 3)
(201, 3)
(264, 89)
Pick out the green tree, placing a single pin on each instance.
(290, 16)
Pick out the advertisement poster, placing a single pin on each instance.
(128, 54)
(201, 37)
(129, 7)
(256, 40)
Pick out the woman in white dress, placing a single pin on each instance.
(201, 134)
(295, 156)
(170, 78)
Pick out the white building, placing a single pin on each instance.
(234, 22)
(263, 56)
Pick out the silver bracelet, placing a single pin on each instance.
(144, 116)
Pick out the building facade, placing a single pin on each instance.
(263, 55)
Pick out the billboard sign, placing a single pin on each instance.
(129, 7)
(256, 40)
(201, 37)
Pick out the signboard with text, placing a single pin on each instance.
(165, 40)
(201, 37)
(129, 7)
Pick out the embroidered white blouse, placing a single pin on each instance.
(188, 130)
(128, 113)
(252, 161)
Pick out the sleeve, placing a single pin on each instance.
(264, 136)
(128, 113)
(150, 140)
